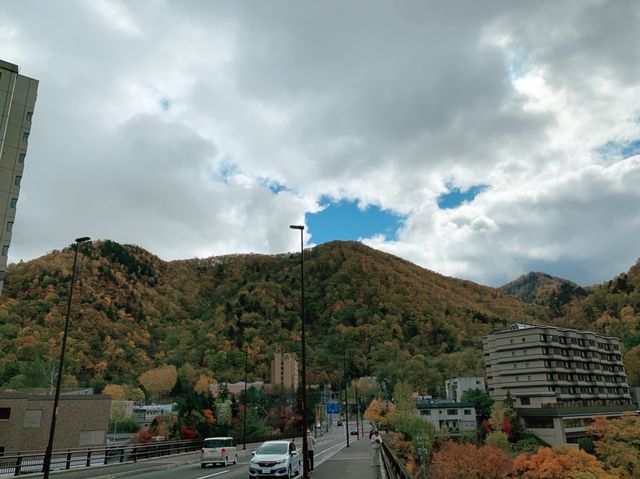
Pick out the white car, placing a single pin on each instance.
(276, 459)
(218, 450)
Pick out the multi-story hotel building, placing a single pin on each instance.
(284, 371)
(17, 101)
(559, 378)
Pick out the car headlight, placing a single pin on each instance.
(282, 461)
(253, 460)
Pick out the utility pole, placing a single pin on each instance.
(346, 399)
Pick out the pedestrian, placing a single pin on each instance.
(311, 447)
(376, 442)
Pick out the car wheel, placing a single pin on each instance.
(289, 475)
(203, 466)
(226, 461)
(235, 459)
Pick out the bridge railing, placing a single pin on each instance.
(392, 464)
(26, 462)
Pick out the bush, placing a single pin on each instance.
(526, 445)
(498, 439)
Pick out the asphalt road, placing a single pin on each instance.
(326, 446)
(187, 466)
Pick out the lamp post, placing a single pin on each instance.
(305, 445)
(46, 464)
(244, 416)
(346, 399)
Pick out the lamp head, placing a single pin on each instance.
(83, 239)
(297, 227)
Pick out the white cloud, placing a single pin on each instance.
(142, 104)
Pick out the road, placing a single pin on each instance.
(326, 446)
(187, 466)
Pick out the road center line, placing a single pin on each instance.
(214, 474)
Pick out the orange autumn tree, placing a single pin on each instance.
(618, 443)
(458, 461)
(559, 463)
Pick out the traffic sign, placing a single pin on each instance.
(333, 408)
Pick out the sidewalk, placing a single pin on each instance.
(352, 462)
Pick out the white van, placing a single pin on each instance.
(218, 450)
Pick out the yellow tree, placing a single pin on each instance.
(203, 383)
(377, 412)
(559, 463)
(115, 391)
(618, 443)
(159, 381)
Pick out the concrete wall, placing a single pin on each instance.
(82, 421)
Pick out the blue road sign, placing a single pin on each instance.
(333, 408)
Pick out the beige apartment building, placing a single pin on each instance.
(559, 378)
(25, 419)
(17, 101)
(284, 371)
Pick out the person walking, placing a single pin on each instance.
(376, 442)
(311, 447)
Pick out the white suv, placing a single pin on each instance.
(218, 450)
(276, 459)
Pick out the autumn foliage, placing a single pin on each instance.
(617, 444)
(458, 461)
(559, 463)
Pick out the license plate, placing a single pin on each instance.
(266, 470)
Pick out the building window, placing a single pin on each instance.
(467, 412)
(29, 115)
(525, 401)
(17, 180)
(523, 340)
(5, 250)
(1, 275)
(9, 226)
(14, 202)
(452, 412)
(5, 413)
(426, 412)
(32, 418)
(25, 137)
(21, 157)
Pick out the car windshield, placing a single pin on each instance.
(273, 449)
(213, 443)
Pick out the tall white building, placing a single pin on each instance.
(456, 387)
(559, 378)
(17, 101)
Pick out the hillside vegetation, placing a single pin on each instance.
(133, 312)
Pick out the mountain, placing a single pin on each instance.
(544, 289)
(133, 311)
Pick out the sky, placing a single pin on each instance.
(479, 139)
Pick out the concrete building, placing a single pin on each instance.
(17, 101)
(455, 387)
(448, 416)
(284, 371)
(144, 415)
(25, 419)
(235, 389)
(559, 378)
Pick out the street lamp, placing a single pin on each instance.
(244, 416)
(305, 445)
(46, 465)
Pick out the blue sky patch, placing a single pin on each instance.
(343, 220)
(455, 196)
(274, 186)
(625, 150)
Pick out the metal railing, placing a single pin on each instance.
(64, 459)
(392, 465)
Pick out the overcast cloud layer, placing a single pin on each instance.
(163, 124)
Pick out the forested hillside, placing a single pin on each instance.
(133, 312)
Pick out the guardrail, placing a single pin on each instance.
(393, 465)
(62, 459)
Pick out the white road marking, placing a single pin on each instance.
(214, 474)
